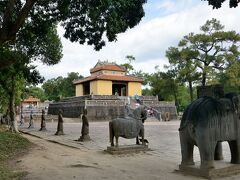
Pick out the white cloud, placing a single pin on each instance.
(147, 42)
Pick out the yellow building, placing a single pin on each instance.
(108, 79)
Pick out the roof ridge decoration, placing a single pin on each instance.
(106, 65)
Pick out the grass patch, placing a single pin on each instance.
(11, 145)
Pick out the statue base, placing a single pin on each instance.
(125, 149)
(42, 129)
(222, 169)
(84, 138)
(59, 133)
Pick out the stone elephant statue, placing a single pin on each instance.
(129, 127)
(206, 122)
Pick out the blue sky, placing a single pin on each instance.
(164, 24)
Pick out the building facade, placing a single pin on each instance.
(108, 79)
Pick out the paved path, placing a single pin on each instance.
(162, 136)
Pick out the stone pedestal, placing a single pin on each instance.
(222, 169)
(84, 138)
(125, 149)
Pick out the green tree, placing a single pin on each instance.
(147, 92)
(12, 80)
(164, 85)
(46, 47)
(60, 87)
(218, 3)
(52, 88)
(84, 21)
(68, 88)
(214, 49)
(3, 101)
(182, 58)
(230, 78)
(35, 92)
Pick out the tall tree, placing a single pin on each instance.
(11, 80)
(27, 48)
(214, 49)
(84, 21)
(185, 66)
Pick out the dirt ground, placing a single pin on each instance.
(52, 161)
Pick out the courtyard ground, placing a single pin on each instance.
(61, 157)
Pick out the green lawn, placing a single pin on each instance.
(10, 146)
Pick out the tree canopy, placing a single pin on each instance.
(209, 57)
(218, 3)
(60, 87)
(213, 49)
(83, 20)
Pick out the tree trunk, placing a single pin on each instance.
(12, 94)
(204, 76)
(190, 90)
(8, 32)
(175, 94)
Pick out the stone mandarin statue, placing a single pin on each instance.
(85, 128)
(60, 123)
(43, 121)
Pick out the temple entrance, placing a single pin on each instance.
(119, 88)
(86, 88)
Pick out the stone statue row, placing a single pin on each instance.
(85, 125)
(129, 126)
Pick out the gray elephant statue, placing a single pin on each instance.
(129, 127)
(207, 122)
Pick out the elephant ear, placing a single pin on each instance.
(236, 103)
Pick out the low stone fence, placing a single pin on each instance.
(97, 109)
(102, 107)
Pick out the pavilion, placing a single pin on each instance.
(108, 79)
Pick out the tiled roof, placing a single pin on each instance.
(31, 99)
(109, 77)
(111, 67)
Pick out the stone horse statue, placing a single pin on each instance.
(130, 126)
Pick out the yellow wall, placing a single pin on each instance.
(134, 88)
(93, 87)
(101, 87)
(79, 89)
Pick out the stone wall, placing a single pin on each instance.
(72, 109)
(164, 107)
(104, 107)
(99, 108)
